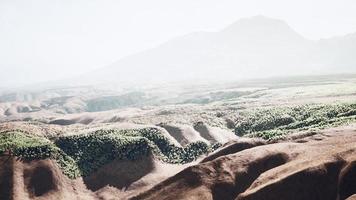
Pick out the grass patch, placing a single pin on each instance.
(81, 155)
(95, 149)
(272, 123)
(114, 102)
(29, 147)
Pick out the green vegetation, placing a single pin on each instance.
(272, 123)
(29, 147)
(114, 102)
(93, 150)
(82, 154)
(216, 96)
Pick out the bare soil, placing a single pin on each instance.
(317, 167)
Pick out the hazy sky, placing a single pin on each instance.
(43, 40)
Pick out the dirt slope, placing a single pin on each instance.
(320, 167)
(43, 179)
(40, 179)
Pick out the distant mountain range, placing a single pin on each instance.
(249, 48)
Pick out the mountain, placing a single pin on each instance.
(249, 48)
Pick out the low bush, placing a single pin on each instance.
(273, 122)
(82, 154)
(103, 146)
(92, 151)
(28, 147)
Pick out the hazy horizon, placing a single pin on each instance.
(44, 41)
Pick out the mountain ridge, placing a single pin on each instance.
(255, 47)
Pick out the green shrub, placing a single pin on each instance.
(215, 146)
(114, 102)
(274, 122)
(82, 154)
(269, 135)
(92, 151)
(193, 150)
(347, 113)
(100, 147)
(263, 120)
(28, 147)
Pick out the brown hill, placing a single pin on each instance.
(43, 179)
(320, 167)
(39, 179)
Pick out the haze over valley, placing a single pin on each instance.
(255, 47)
(191, 100)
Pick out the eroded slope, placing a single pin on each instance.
(319, 167)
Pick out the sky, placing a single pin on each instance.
(43, 40)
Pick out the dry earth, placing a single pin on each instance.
(321, 166)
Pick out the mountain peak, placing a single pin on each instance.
(258, 46)
(260, 27)
(258, 20)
